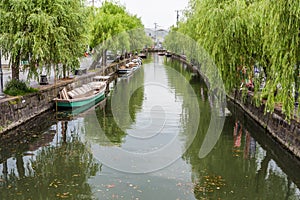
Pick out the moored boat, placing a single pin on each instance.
(142, 55)
(130, 67)
(124, 70)
(88, 94)
(102, 78)
(168, 54)
(161, 53)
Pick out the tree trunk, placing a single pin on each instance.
(20, 166)
(96, 61)
(15, 67)
(64, 71)
(104, 58)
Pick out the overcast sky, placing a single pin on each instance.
(163, 12)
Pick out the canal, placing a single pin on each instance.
(143, 142)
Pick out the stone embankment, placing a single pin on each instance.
(17, 110)
(285, 133)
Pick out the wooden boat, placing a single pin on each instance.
(168, 54)
(88, 94)
(161, 53)
(130, 67)
(142, 55)
(126, 76)
(125, 70)
(102, 78)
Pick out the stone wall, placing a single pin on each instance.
(17, 110)
(286, 133)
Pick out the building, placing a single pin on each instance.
(157, 36)
(96, 3)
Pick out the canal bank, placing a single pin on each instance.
(17, 110)
(285, 133)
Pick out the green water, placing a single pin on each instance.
(143, 143)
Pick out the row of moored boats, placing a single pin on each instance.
(92, 93)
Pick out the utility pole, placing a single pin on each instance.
(177, 16)
(1, 76)
(155, 27)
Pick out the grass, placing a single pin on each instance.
(17, 88)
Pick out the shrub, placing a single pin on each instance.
(17, 87)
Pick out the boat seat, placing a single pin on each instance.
(87, 88)
(72, 94)
(64, 94)
(83, 91)
(78, 91)
(97, 85)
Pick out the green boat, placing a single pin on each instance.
(81, 98)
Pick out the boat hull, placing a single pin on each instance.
(144, 56)
(124, 71)
(81, 103)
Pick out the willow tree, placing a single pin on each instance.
(222, 28)
(46, 33)
(241, 34)
(138, 39)
(112, 29)
(281, 27)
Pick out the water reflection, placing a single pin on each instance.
(240, 168)
(40, 170)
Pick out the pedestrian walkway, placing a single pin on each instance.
(85, 63)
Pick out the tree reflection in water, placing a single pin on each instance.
(248, 173)
(57, 171)
(242, 164)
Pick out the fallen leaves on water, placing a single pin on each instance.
(76, 175)
(179, 184)
(55, 183)
(63, 195)
(210, 184)
(237, 150)
(111, 186)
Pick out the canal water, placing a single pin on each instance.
(143, 142)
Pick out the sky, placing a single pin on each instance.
(162, 12)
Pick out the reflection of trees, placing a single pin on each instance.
(57, 172)
(135, 102)
(111, 130)
(189, 102)
(234, 169)
(119, 112)
(228, 173)
(127, 98)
